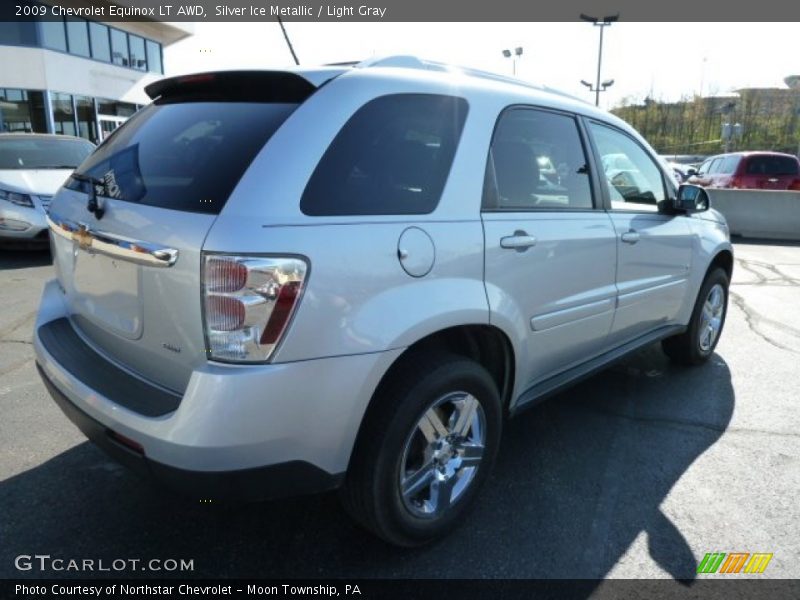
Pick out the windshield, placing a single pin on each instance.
(43, 153)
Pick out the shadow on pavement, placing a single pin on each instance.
(748, 241)
(579, 477)
(24, 259)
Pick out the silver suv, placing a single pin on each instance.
(282, 282)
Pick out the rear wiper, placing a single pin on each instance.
(93, 206)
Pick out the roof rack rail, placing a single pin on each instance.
(414, 62)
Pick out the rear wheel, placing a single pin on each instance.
(424, 450)
(697, 343)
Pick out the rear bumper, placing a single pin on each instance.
(272, 481)
(265, 430)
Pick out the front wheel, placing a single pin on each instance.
(697, 343)
(424, 450)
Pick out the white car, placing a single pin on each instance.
(32, 168)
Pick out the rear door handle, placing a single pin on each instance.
(630, 237)
(520, 241)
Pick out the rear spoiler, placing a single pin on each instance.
(253, 86)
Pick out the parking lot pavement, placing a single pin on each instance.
(637, 472)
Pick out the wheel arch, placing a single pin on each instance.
(486, 344)
(724, 260)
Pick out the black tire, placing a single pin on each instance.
(372, 491)
(686, 348)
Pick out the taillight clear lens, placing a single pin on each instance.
(248, 303)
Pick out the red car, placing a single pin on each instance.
(750, 171)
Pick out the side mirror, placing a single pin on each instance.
(692, 198)
(691, 171)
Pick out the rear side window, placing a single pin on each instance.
(537, 162)
(771, 165)
(392, 157)
(184, 155)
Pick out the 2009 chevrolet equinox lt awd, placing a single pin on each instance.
(282, 282)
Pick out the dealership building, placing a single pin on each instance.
(79, 77)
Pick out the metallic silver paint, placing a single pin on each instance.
(579, 291)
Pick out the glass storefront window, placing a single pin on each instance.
(114, 108)
(119, 48)
(78, 37)
(87, 126)
(101, 47)
(63, 114)
(138, 60)
(53, 35)
(22, 110)
(21, 33)
(154, 57)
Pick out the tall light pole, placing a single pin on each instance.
(514, 57)
(602, 24)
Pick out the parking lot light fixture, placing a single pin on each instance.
(514, 56)
(602, 24)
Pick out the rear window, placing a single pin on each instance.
(185, 155)
(22, 152)
(771, 165)
(392, 157)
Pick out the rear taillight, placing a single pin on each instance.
(795, 185)
(248, 302)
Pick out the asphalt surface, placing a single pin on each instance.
(637, 472)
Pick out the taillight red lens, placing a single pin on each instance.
(281, 313)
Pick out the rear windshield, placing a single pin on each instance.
(771, 165)
(183, 156)
(42, 153)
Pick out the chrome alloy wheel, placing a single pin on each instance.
(442, 455)
(711, 319)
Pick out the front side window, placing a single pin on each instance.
(633, 179)
(536, 161)
(392, 157)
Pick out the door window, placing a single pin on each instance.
(536, 162)
(633, 179)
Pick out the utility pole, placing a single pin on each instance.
(602, 24)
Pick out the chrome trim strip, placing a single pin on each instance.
(114, 246)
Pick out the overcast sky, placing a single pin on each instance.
(665, 60)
